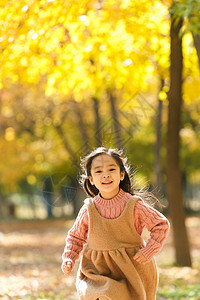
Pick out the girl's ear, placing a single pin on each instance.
(91, 180)
(122, 175)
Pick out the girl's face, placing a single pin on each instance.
(106, 175)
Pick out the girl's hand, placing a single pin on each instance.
(66, 268)
(140, 258)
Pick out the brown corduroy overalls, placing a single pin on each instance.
(107, 268)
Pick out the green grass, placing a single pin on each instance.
(179, 291)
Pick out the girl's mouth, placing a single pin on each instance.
(107, 183)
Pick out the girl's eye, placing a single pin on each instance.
(98, 171)
(112, 169)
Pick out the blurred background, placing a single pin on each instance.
(78, 75)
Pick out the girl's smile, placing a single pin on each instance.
(106, 175)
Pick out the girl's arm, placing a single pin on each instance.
(76, 237)
(156, 223)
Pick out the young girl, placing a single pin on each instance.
(116, 264)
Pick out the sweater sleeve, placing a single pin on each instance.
(156, 223)
(76, 237)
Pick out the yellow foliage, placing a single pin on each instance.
(53, 51)
(9, 134)
(191, 89)
(31, 179)
(81, 47)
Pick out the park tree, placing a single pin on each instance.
(67, 66)
(174, 184)
(179, 10)
(70, 57)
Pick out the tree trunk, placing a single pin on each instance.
(158, 170)
(82, 128)
(2, 205)
(97, 123)
(116, 123)
(67, 146)
(174, 185)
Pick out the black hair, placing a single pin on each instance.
(125, 184)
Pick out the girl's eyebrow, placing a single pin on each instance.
(97, 167)
(111, 165)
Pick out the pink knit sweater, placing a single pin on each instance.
(144, 215)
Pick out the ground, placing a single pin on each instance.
(30, 253)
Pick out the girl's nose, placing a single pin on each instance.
(105, 175)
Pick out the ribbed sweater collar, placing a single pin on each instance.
(117, 200)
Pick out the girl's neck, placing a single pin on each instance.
(121, 197)
(110, 195)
